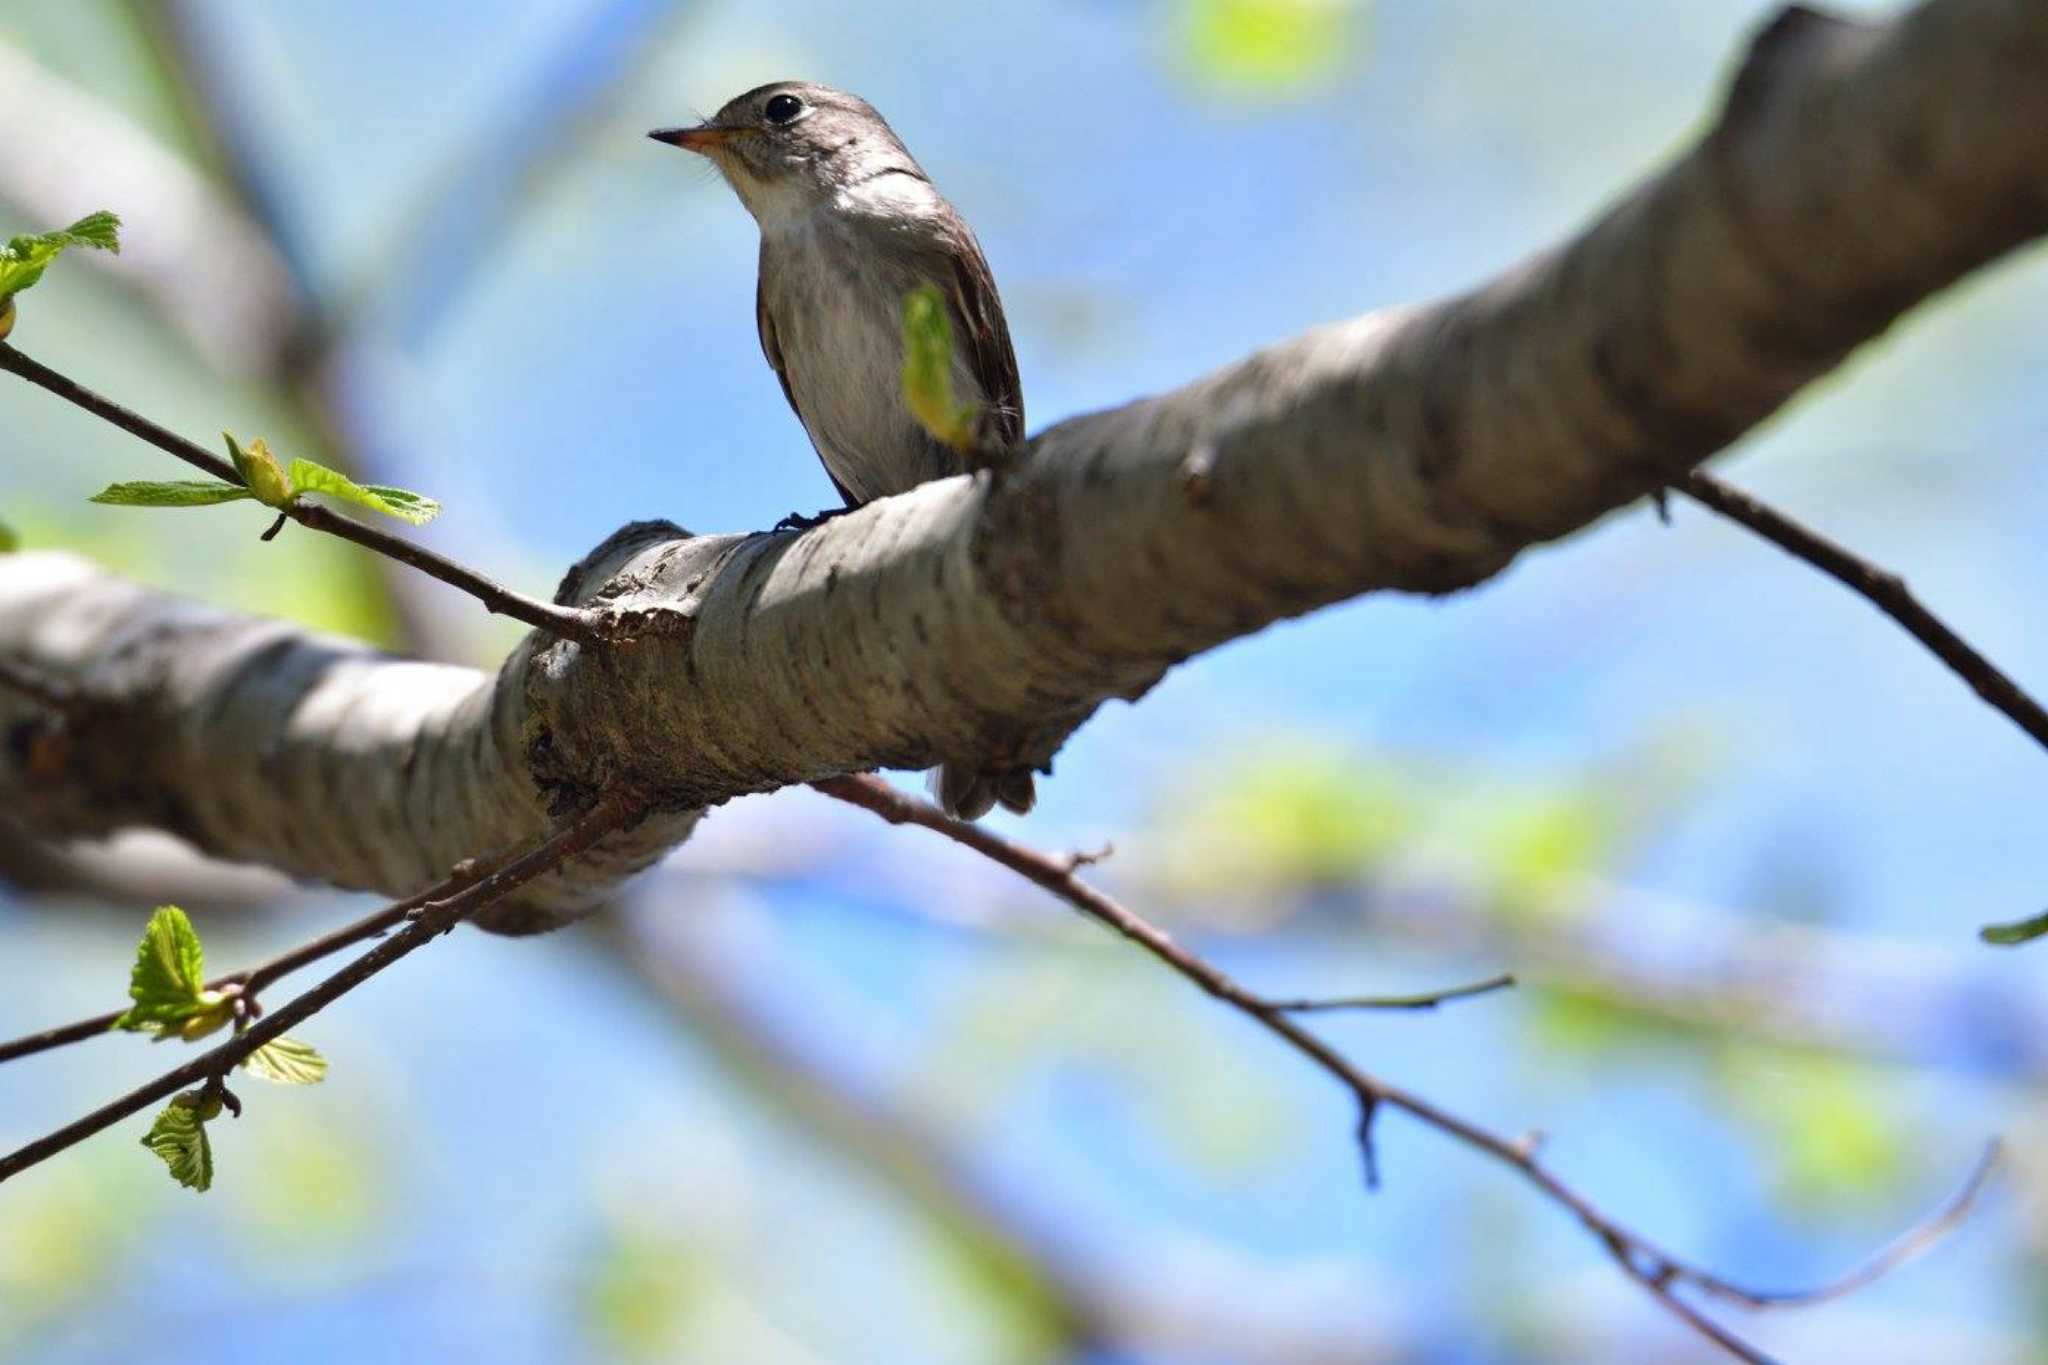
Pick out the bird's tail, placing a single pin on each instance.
(968, 794)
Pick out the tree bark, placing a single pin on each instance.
(1855, 169)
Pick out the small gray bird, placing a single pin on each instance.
(851, 225)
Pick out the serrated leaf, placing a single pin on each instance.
(260, 470)
(179, 1137)
(288, 1062)
(928, 370)
(408, 506)
(175, 493)
(2019, 931)
(168, 981)
(417, 508)
(24, 258)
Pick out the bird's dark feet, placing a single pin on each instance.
(797, 521)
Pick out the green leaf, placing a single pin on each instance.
(176, 493)
(288, 1062)
(2018, 932)
(416, 508)
(261, 471)
(100, 231)
(9, 541)
(168, 982)
(24, 258)
(928, 370)
(179, 1137)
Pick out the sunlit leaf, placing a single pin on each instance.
(179, 1137)
(24, 258)
(260, 470)
(402, 503)
(168, 981)
(928, 370)
(288, 1062)
(174, 493)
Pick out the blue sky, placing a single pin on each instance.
(1782, 748)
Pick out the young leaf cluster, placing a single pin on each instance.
(267, 481)
(24, 259)
(171, 1000)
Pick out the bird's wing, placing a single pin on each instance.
(978, 320)
(764, 322)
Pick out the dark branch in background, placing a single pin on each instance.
(1659, 1272)
(427, 921)
(1022, 1245)
(1885, 590)
(569, 623)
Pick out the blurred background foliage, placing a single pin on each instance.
(824, 1091)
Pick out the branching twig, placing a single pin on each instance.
(1420, 1000)
(247, 982)
(1656, 1270)
(1885, 590)
(426, 921)
(568, 622)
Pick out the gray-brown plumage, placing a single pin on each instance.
(851, 225)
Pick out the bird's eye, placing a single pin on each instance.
(782, 109)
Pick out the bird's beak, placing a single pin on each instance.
(702, 138)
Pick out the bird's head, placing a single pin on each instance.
(788, 147)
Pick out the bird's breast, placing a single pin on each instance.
(835, 293)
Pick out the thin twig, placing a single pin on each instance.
(426, 921)
(1083, 857)
(250, 980)
(1659, 1272)
(568, 622)
(1421, 1000)
(1884, 590)
(1914, 1242)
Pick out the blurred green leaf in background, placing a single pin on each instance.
(1267, 48)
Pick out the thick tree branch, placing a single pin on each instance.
(984, 619)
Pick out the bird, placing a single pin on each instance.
(851, 226)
